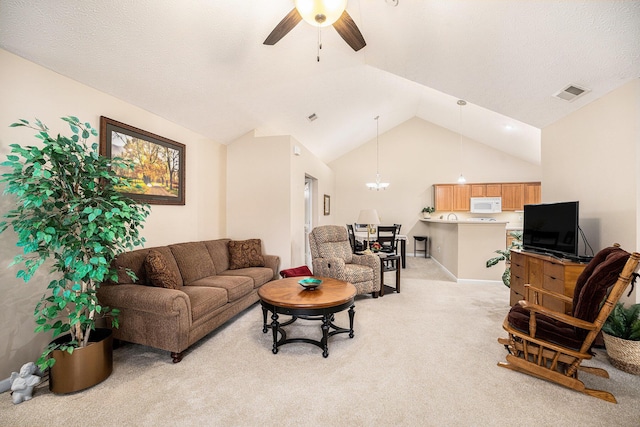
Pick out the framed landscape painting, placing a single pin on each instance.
(159, 173)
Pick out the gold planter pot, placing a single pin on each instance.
(85, 367)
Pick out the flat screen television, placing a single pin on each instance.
(551, 228)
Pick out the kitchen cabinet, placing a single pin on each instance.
(478, 190)
(532, 193)
(512, 196)
(461, 197)
(456, 197)
(517, 194)
(444, 197)
(544, 272)
(494, 190)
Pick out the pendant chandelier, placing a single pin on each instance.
(377, 185)
(461, 103)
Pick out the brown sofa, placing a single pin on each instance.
(184, 291)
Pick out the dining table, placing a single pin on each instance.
(401, 239)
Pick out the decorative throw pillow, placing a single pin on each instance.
(245, 253)
(158, 273)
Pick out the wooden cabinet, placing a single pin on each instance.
(512, 196)
(544, 272)
(456, 197)
(532, 193)
(486, 190)
(444, 197)
(494, 190)
(517, 194)
(478, 190)
(461, 197)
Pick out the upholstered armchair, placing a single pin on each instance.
(332, 257)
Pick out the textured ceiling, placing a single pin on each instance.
(202, 64)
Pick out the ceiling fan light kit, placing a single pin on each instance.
(320, 13)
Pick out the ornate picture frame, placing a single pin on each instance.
(327, 205)
(160, 162)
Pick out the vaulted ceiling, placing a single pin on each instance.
(202, 64)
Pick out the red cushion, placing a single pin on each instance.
(296, 272)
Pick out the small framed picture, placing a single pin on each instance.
(327, 204)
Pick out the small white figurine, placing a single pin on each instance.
(22, 383)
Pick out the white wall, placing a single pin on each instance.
(592, 156)
(414, 156)
(306, 164)
(265, 195)
(30, 91)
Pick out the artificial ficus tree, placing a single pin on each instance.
(70, 210)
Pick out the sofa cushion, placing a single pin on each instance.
(245, 253)
(193, 260)
(235, 287)
(258, 275)
(158, 272)
(204, 299)
(219, 251)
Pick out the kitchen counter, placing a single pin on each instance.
(463, 247)
(464, 221)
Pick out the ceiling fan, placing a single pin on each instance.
(320, 13)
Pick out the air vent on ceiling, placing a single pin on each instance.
(571, 93)
(312, 117)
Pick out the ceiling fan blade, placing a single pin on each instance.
(286, 25)
(349, 31)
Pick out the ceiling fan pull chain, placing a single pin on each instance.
(319, 43)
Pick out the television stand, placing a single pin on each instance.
(546, 272)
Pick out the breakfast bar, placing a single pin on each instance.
(463, 246)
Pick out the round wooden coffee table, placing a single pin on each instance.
(288, 297)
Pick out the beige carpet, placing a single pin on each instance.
(425, 357)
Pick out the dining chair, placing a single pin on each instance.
(356, 245)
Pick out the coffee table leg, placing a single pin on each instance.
(326, 320)
(352, 314)
(274, 328)
(264, 319)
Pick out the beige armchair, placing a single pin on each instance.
(332, 257)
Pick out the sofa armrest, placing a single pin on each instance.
(149, 299)
(272, 262)
(152, 316)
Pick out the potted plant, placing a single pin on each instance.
(621, 333)
(427, 211)
(505, 255)
(71, 213)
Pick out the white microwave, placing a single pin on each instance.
(486, 204)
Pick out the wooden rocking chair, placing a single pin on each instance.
(552, 345)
